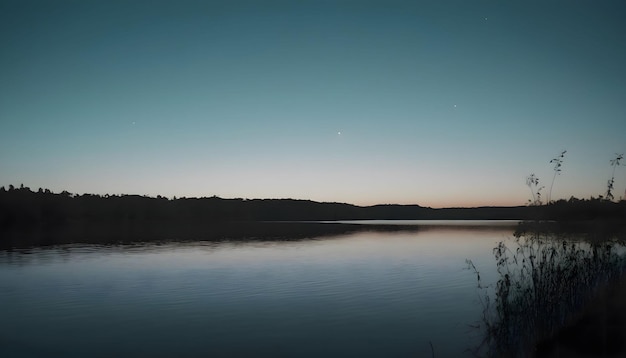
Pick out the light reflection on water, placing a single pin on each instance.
(368, 294)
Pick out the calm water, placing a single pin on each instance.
(369, 294)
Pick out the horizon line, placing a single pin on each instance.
(174, 197)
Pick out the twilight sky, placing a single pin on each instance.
(437, 103)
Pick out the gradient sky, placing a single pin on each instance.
(437, 103)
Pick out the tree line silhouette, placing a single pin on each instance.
(23, 207)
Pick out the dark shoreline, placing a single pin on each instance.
(25, 208)
(29, 218)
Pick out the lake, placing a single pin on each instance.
(365, 294)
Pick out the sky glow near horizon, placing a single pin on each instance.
(436, 103)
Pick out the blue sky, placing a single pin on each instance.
(437, 103)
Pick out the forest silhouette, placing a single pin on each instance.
(24, 212)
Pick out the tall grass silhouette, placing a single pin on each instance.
(615, 162)
(544, 280)
(545, 277)
(532, 181)
(558, 163)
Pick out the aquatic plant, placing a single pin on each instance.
(544, 279)
(615, 162)
(532, 181)
(558, 162)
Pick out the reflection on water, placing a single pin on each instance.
(482, 224)
(367, 294)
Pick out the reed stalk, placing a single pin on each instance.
(544, 280)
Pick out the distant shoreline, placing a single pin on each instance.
(43, 217)
(22, 205)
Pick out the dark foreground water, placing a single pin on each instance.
(368, 294)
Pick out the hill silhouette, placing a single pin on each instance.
(20, 206)
(23, 210)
